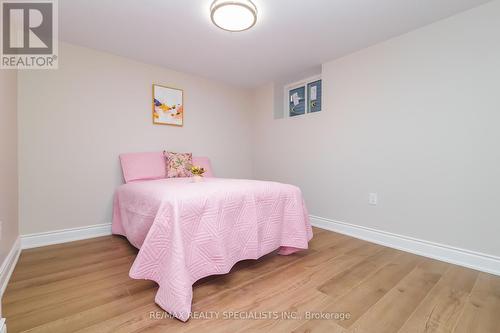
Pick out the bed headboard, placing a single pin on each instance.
(148, 166)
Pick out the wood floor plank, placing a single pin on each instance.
(442, 307)
(91, 316)
(304, 273)
(392, 310)
(103, 278)
(362, 297)
(240, 280)
(300, 271)
(284, 310)
(130, 321)
(324, 240)
(319, 326)
(84, 286)
(81, 244)
(244, 274)
(24, 272)
(56, 277)
(106, 244)
(42, 303)
(75, 306)
(345, 281)
(482, 310)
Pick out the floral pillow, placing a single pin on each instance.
(178, 164)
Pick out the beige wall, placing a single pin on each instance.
(415, 119)
(75, 121)
(8, 162)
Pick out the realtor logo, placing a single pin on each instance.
(29, 34)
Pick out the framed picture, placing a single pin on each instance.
(168, 106)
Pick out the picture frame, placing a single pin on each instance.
(168, 106)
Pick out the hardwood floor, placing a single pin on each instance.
(84, 286)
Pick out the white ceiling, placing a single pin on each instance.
(290, 35)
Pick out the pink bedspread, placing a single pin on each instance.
(186, 231)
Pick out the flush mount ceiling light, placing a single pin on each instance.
(233, 15)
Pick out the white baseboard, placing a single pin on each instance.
(3, 327)
(65, 235)
(471, 259)
(8, 265)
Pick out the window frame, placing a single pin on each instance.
(298, 84)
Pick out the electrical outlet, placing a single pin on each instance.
(373, 199)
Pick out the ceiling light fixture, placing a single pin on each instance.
(233, 15)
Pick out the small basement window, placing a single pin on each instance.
(303, 97)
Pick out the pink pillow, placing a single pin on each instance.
(149, 166)
(142, 166)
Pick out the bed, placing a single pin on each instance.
(187, 230)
